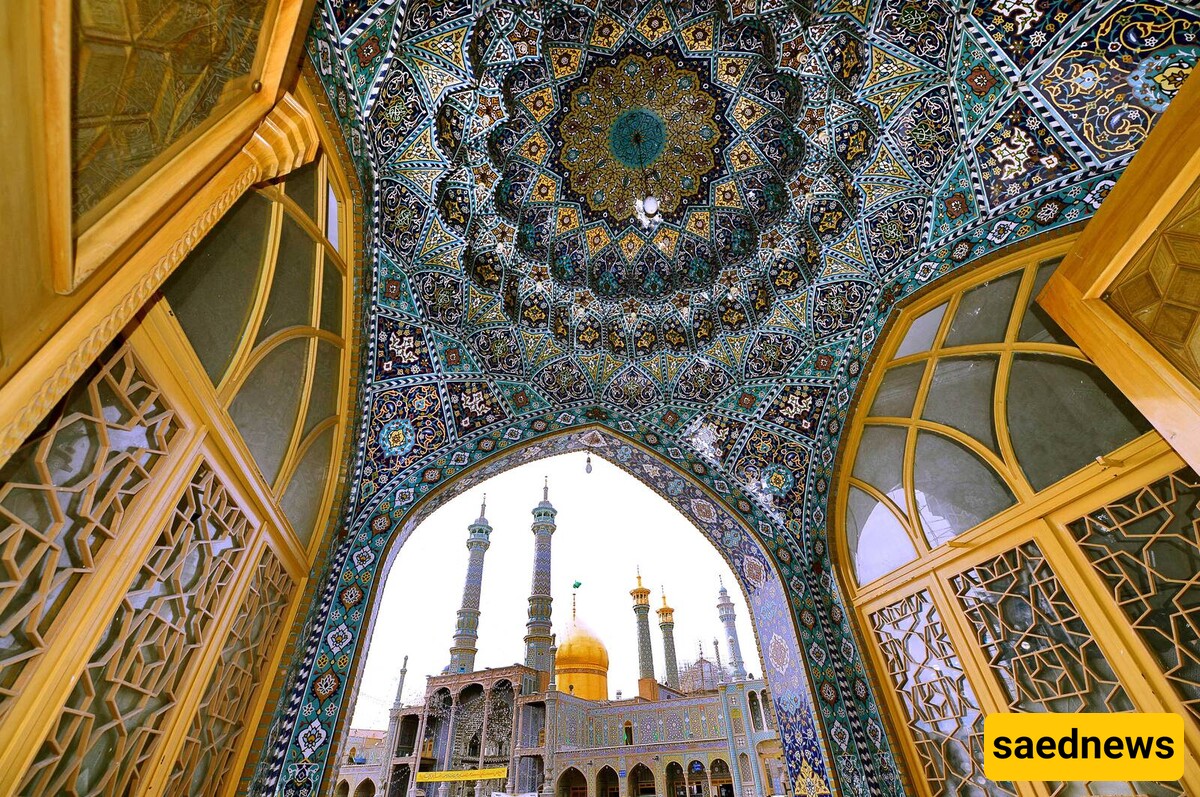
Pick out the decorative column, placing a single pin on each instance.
(726, 613)
(487, 710)
(462, 654)
(666, 623)
(514, 754)
(418, 746)
(647, 686)
(537, 638)
(549, 766)
(727, 721)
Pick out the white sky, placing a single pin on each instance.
(608, 524)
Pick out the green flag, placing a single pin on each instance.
(577, 585)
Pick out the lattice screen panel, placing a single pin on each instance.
(205, 763)
(146, 74)
(1041, 651)
(1037, 645)
(1159, 291)
(66, 494)
(107, 734)
(1146, 549)
(939, 703)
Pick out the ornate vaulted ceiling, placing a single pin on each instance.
(809, 166)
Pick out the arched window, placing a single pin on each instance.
(756, 716)
(263, 303)
(628, 732)
(999, 503)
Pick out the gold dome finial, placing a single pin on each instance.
(666, 614)
(640, 594)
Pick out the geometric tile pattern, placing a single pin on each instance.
(932, 134)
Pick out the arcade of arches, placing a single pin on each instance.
(896, 301)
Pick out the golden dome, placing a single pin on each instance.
(581, 663)
(581, 648)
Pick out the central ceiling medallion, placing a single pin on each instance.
(645, 153)
(642, 128)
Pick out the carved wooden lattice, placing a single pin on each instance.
(1037, 645)
(64, 496)
(1146, 549)
(204, 764)
(147, 74)
(939, 703)
(1159, 291)
(105, 737)
(1041, 651)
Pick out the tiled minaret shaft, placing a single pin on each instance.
(666, 624)
(537, 637)
(647, 685)
(462, 654)
(726, 613)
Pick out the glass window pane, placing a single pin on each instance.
(331, 299)
(332, 215)
(302, 501)
(265, 408)
(212, 293)
(898, 391)
(955, 489)
(1037, 325)
(961, 394)
(922, 332)
(301, 187)
(879, 458)
(290, 302)
(148, 75)
(327, 381)
(1064, 413)
(878, 541)
(983, 312)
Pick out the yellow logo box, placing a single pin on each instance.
(1083, 747)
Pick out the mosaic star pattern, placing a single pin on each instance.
(928, 136)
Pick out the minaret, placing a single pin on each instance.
(666, 623)
(462, 654)
(400, 686)
(538, 639)
(647, 686)
(725, 611)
